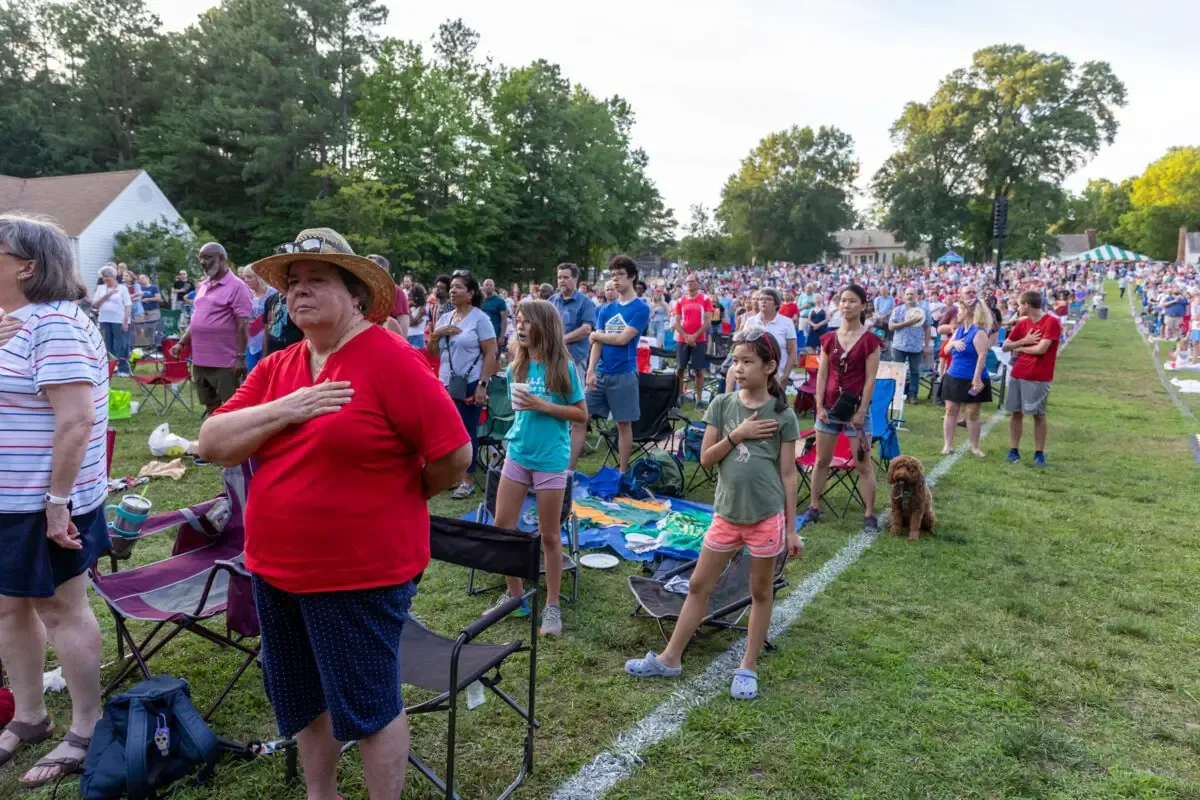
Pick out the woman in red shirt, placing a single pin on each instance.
(845, 383)
(352, 433)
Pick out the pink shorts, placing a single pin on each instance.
(530, 477)
(763, 539)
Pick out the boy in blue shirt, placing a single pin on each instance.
(612, 380)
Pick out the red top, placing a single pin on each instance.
(694, 314)
(790, 310)
(1036, 368)
(401, 305)
(337, 503)
(853, 378)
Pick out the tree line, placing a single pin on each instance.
(1015, 123)
(265, 116)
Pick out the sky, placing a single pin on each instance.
(707, 79)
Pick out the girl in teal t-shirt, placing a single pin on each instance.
(547, 396)
(750, 437)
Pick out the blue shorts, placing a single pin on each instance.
(333, 651)
(616, 395)
(834, 427)
(33, 566)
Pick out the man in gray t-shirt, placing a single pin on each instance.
(579, 319)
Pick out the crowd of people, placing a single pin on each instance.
(359, 397)
(1168, 297)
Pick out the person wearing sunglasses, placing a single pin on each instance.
(219, 331)
(845, 382)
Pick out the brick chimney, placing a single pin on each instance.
(1091, 234)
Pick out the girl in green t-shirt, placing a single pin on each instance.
(547, 396)
(750, 437)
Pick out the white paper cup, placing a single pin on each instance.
(516, 387)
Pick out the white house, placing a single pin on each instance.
(872, 246)
(91, 208)
(1189, 247)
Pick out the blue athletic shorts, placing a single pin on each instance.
(616, 395)
(336, 652)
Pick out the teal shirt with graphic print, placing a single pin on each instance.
(538, 441)
(749, 487)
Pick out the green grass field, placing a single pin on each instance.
(1040, 644)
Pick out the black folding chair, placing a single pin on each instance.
(447, 666)
(726, 606)
(658, 395)
(568, 520)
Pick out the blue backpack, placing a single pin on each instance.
(150, 737)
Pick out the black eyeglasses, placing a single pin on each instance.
(17, 256)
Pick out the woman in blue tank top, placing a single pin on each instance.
(965, 385)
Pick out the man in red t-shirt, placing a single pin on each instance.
(693, 315)
(1034, 340)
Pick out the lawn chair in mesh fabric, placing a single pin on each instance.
(173, 382)
(658, 394)
(500, 418)
(884, 428)
(570, 523)
(843, 472)
(726, 607)
(204, 578)
(998, 374)
(690, 445)
(447, 666)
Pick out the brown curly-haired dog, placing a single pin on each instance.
(912, 502)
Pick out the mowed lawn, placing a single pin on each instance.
(1040, 644)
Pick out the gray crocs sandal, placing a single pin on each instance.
(66, 766)
(27, 734)
(651, 667)
(744, 685)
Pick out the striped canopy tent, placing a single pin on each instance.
(1108, 252)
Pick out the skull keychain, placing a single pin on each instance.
(162, 736)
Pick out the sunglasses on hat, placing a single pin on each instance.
(309, 244)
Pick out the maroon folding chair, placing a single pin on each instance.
(174, 381)
(204, 578)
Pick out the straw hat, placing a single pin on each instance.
(330, 247)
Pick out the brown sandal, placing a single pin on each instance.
(27, 734)
(66, 766)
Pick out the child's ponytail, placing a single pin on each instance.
(776, 390)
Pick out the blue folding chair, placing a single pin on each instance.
(997, 374)
(884, 427)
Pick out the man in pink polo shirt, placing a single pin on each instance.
(218, 331)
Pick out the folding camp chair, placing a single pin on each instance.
(726, 607)
(658, 395)
(719, 345)
(884, 428)
(500, 418)
(843, 472)
(448, 666)
(204, 578)
(569, 522)
(997, 374)
(690, 444)
(173, 380)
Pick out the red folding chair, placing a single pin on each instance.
(174, 381)
(843, 472)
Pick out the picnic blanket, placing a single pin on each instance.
(678, 526)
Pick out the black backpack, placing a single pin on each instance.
(150, 737)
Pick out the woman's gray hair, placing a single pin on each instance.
(108, 272)
(39, 240)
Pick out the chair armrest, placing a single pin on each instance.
(234, 567)
(679, 570)
(493, 616)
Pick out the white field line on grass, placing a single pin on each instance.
(618, 762)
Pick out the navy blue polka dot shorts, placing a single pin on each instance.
(336, 652)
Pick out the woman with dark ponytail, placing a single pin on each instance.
(752, 443)
(845, 382)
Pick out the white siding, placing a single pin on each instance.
(141, 201)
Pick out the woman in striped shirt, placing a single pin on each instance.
(53, 482)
